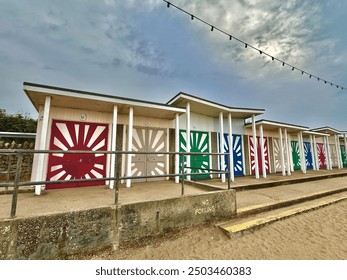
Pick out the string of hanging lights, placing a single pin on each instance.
(247, 45)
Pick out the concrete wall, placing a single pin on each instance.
(141, 220)
(57, 236)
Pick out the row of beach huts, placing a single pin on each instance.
(74, 120)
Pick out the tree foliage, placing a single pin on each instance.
(17, 123)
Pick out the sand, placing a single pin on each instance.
(320, 234)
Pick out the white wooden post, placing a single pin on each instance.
(282, 152)
(40, 175)
(113, 145)
(188, 139)
(255, 147)
(221, 145)
(302, 149)
(261, 135)
(130, 145)
(287, 151)
(231, 149)
(313, 154)
(177, 147)
(338, 152)
(290, 153)
(327, 151)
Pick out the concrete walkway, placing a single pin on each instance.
(258, 198)
(284, 201)
(252, 194)
(254, 222)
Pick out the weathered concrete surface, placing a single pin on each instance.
(58, 235)
(250, 224)
(140, 220)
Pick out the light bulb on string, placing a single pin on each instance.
(169, 4)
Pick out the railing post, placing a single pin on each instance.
(16, 185)
(229, 175)
(182, 174)
(9, 159)
(116, 194)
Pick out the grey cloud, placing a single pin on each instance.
(283, 29)
(116, 62)
(147, 70)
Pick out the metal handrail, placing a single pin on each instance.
(16, 184)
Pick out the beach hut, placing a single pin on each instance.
(316, 143)
(281, 148)
(75, 120)
(210, 127)
(332, 146)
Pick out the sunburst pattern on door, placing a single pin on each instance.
(296, 155)
(252, 155)
(322, 160)
(333, 155)
(343, 155)
(148, 140)
(308, 155)
(77, 136)
(237, 153)
(277, 155)
(199, 142)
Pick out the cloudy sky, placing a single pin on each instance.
(144, 50)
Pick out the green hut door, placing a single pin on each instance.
(343, 155)
(199, 142)
(296, 155)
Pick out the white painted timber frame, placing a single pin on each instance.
(130, 145)
(188, 140)
(177, 147)
(43, 144)
(221, 144)
(255, 147)
(113, 145)
(231, 150)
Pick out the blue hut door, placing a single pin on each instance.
(308, 155)
(237, 154)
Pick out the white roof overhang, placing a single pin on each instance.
(69, 98)
(211, 109)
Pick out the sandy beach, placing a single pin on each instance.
(317, 235)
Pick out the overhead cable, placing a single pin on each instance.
(249, 46)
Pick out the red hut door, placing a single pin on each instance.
(77, 136)
(322, 159)
(252, 153)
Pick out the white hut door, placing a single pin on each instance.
(149, 140)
